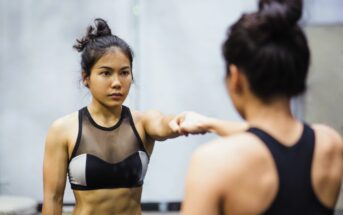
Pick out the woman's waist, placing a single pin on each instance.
(119, 201)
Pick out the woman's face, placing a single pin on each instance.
(110, 78)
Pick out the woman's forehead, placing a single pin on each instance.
(113, 59)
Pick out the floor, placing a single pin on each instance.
(176, 213)
(340, 212)
(146, 213)
(172, 213)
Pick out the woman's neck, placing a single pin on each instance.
(275, 118)
(104, 114)
(275, 113)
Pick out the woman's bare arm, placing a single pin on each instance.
(157, 127)
(55, 168)
(194, 123)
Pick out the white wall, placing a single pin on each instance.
(178, 67)
(320, 12)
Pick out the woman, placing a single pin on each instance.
(104, 147)
(280, 165)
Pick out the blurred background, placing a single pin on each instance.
(178, 66)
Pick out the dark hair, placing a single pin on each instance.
(270, 48)
(97, 42)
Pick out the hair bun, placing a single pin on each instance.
(280, 14)
(100, 29)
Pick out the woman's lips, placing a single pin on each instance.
(116, 96)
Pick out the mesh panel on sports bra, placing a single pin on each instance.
(109, 144)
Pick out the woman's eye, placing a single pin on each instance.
(125, 73)
(106, 73)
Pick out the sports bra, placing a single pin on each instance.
(294, 164)
(107, 157)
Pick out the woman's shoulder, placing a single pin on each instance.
(62, 126)
(326, 130)
(327, 138)
(66, 120)
(61, 134)
(145, 115)
(137, 115)
(244, 142)
(241, 148)
(231, 158)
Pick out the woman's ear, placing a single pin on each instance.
(235, 79)
(85, 79)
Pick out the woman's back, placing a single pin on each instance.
(297, 179)
(238, 174)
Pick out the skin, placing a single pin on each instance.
(110, 74)
(194, 123)
(237, 174)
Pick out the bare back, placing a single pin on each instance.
(261, 184)
(239, 175)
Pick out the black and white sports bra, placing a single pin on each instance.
(105, 158)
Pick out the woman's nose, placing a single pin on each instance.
(115, 82)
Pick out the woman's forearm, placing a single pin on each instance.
(52, 206)
(225, 128)
(194, 123)
(166, 132)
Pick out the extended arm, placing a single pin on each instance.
(226, 128)
(157, 127)
(194, 123)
